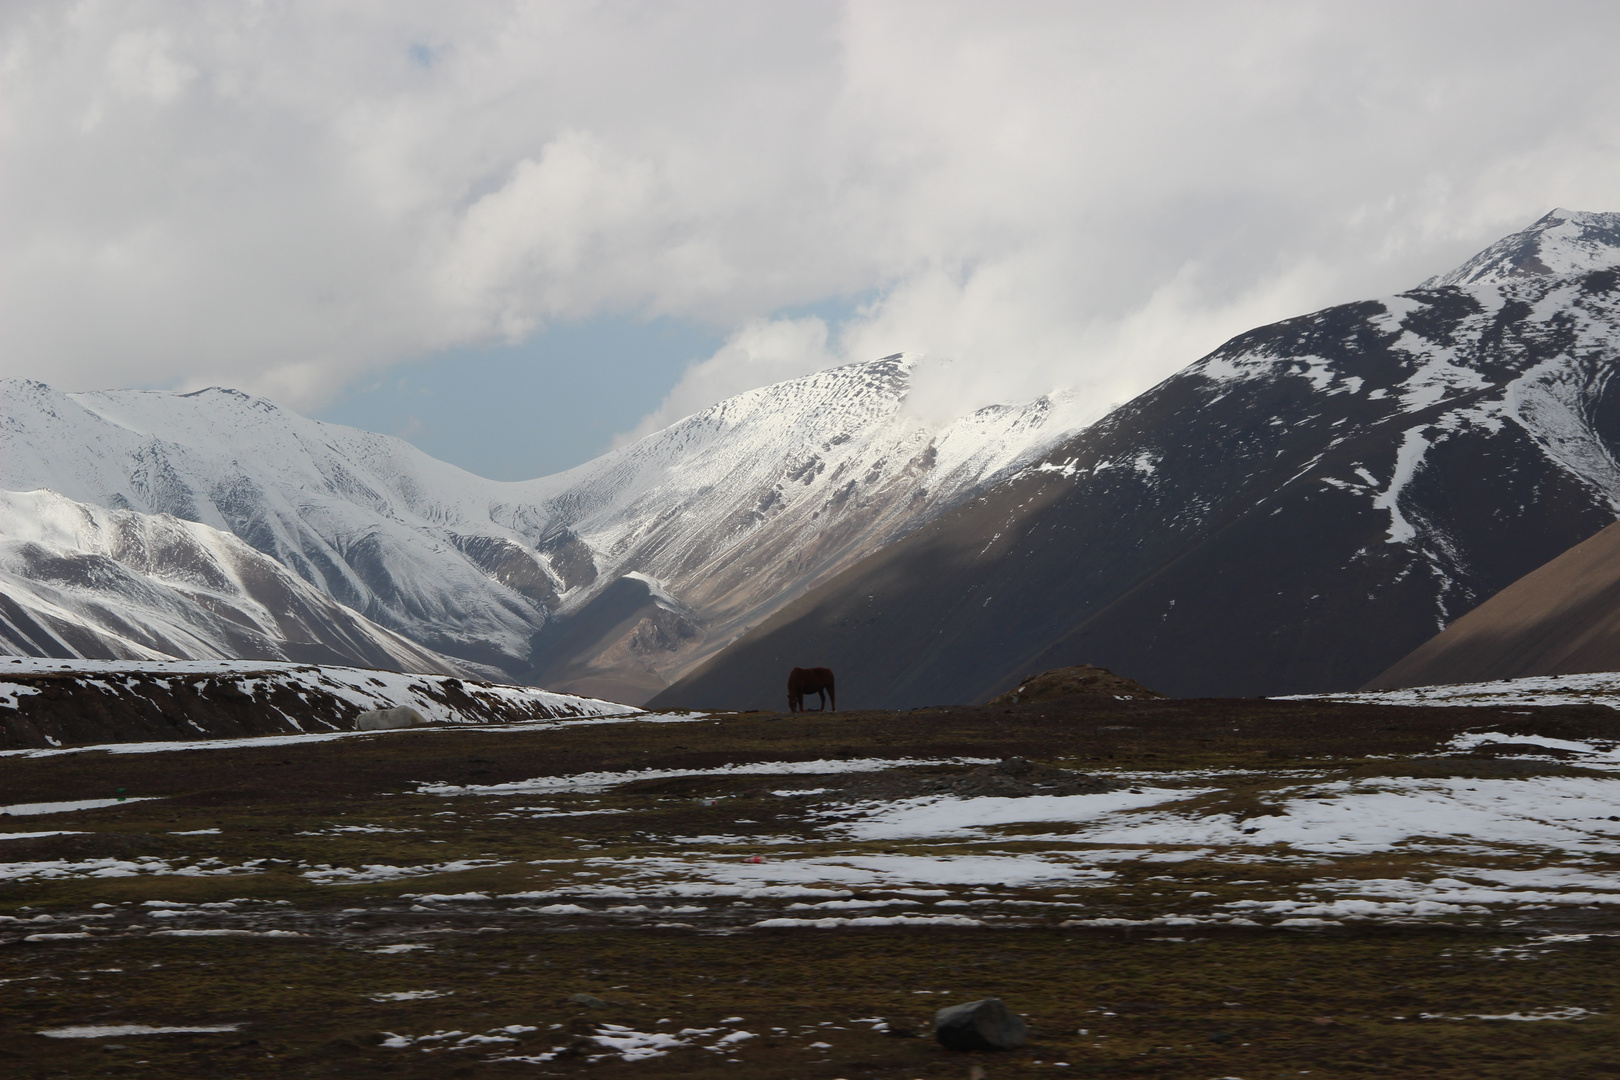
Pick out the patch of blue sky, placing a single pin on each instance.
(550, 402)
(515, 412)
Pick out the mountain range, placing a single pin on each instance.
(609, 579)
(1294, 512)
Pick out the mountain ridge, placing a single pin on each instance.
(1560, 242)
(726, 513)
(84, 581)
(1291, 513)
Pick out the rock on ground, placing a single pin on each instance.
(979, 1025)
(400, 716)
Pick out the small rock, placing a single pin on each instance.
(590, 1001)
(979, 1025)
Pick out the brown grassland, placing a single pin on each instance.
(342, 972)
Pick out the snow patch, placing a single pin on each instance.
(105, 1031)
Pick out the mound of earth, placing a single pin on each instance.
(1065, 681)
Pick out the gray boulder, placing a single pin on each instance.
(979, 1025)
(590, 1001)
(401, 716)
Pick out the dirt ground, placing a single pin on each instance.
(382, 905)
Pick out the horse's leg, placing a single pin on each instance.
(833, 694)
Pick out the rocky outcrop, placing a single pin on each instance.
(60, 705)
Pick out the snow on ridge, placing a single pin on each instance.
(86, 579)
(1407, 460)
(435, 696)
(1549, 398)
(437, 554)
(796, 438)
(363, 686)
(1561, 242)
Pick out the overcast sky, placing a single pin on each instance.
(516, 232)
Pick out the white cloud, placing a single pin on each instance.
(139, 64)
(289, 197)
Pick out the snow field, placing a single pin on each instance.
(615, 1040)
(1465, 848)
(145, 865)
(103, 1031)
(598, 781)
(1592, 688)
(1562, 821)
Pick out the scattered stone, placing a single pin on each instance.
(401, 716)
(1066, 682)
(979, 1025)
(590, 1001)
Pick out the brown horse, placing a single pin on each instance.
(816, 680)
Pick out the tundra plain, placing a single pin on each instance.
(1167, 888)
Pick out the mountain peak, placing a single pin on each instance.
(1561, 242)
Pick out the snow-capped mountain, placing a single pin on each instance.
(1562, 243)
(78, 580)
(1292, 513)
(611, 577)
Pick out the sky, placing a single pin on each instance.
(520, 234)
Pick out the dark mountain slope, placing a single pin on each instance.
(1292, 513)
(1559, 619)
